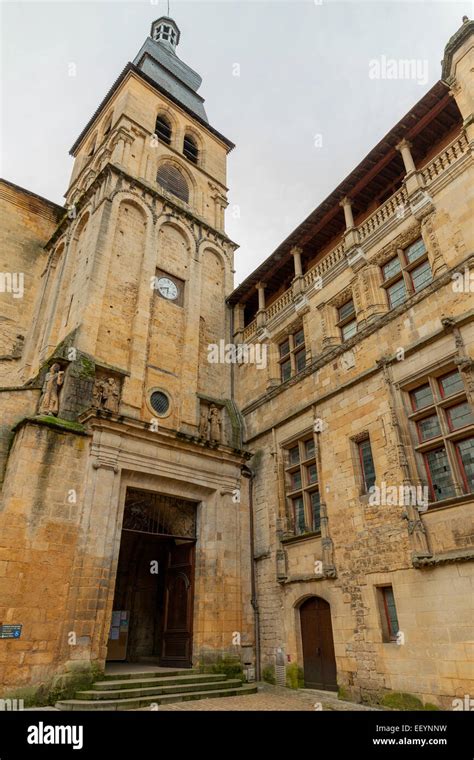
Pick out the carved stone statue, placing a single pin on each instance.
(105, 395)
(53, 381)
(204, 422)
(110, 395)
(215, 423)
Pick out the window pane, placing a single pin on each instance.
(284, 348)
(347, 310)
(450, 384)
(299, 338)
(294, 455)
(311, 474)
(309, 449)
(349, 330)
(465, 451)
(390, 611)
(300, 360)
(428, 428)
(295, 479)
(421, 276)
(367, 464)
(315, 511)
(397, 293)
(421, 397)
(415, 250)
(285, 370)
(459, 416)
(298, 509)
(440, 476)
(391, 268)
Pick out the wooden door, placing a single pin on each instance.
(318, 645)
(178, 607)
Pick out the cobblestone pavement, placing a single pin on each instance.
(269, 698)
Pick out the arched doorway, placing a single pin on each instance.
(318, 646)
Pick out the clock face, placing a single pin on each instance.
(167, 288)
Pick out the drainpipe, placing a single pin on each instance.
(247, 473)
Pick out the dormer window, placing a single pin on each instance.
(190, 149)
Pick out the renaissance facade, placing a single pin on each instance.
(309, 515)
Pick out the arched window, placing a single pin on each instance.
(173, 181)
(108, 124)
(91, 149)
(163, 130)
(190, 148)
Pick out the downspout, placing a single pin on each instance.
(247, 473)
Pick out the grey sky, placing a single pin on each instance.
(304, 71)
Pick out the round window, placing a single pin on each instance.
(160, 402)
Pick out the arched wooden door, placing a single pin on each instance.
(318, 645)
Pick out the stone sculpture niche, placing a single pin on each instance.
(210, 423)
(49, 402)
(106, 394)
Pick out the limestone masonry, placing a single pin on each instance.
(299, 509)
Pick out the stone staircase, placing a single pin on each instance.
(134, 690)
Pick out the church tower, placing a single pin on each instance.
(122, 407)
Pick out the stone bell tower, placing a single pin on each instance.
(140, 266)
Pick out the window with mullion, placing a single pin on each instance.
(447, 462)
(292, 354)
(406, 273)
(347, 320)
(302, 489)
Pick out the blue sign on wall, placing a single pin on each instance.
(10, 631)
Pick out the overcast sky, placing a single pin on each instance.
(303, 112)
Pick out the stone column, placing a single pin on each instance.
(261, 316)
(239, 321)
(413, 181)
(346, 204)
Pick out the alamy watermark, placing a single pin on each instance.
(399, 496)
(399, 68)
(238, 353)
(12, 282)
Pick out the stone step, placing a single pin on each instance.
(158, 690)
(138, 702)
(142, 674)
(133, 683)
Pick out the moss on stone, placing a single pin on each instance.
(343, 693)
(231, 666)
(58, 423)
(268, 674)
(294, 676)
(398, 700)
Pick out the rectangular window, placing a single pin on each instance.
(316, 511)
(421, 397)
(428, 428)
(465, 454)
(450, 384)
(421, 276)
(446, 462)
(406, 273)
(459, 416)
(391, 268)
(349, 330)
(389, 615)
(298, 507)
(366, 464)
(301, 475)
(439, 474)
(397, 293)
(292, 355)
(346, 320)
(415, 251)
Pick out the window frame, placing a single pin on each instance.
(306, 489)
(293, 350)
(167, 139)
(389, 636)
(344, 322)
(359, 443)
(405, 272)
(447, 438)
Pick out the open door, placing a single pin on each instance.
(318, 646)
(178, 607)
